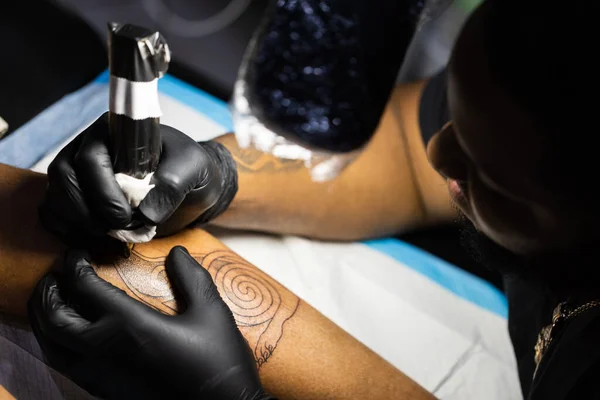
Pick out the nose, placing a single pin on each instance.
(446, 155)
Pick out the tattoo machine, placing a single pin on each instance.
(317, 75)
(138, 58)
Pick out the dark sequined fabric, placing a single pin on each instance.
(320, 72)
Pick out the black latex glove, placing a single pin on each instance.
(194, 182)
(116, 347)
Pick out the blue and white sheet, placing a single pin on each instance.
(440, 325)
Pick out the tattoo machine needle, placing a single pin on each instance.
(138, 58)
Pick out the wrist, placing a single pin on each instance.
(227, 168)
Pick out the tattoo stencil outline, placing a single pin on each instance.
(259, 304)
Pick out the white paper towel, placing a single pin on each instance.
(135, 190)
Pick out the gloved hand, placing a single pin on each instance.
(116, 347)
(193, 182)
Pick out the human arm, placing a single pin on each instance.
(300, 353)
(389, 188)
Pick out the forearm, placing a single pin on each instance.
(389, 188)
(300, 353)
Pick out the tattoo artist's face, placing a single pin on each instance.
(489, 154)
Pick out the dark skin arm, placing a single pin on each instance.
(389, 188)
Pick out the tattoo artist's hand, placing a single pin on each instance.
(117, 347)
(193, 182)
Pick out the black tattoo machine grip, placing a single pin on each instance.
(137, 59)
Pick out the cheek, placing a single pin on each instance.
(507, 222)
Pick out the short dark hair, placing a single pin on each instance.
(544, 54)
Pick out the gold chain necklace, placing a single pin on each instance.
(562, 313)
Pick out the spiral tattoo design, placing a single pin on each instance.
(252, 300)
(259, 304)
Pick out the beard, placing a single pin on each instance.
(491, 255)
(562, 272)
